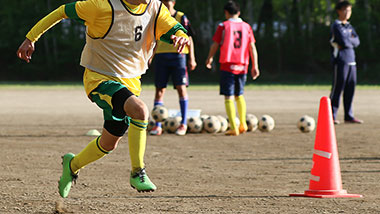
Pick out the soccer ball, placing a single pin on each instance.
(306, 124)
(204, 116)
(223, 123)
(151, 124)
(165, 125)
(211, 124)
(237, 120)
(159, 113)
(252, 122)
(173, 124)
(266, 123)
(194, 125)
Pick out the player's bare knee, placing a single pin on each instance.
(136, 108)
(181, 89)
(228, 97)
(159, 93)
(142, 112)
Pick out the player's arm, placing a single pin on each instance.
(355, 38)
(190, 32)
(170, 31)
(217, 38)
(255, 72)
(26, 49)
(341, 38)
(210, 58)
(70, 10)
(192, 62)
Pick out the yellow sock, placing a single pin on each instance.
(137, 143)
(231, 112)
(91, 153)
(242, 110)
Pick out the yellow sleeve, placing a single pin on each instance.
(167, 24)
(96, 14)
(46, 23)
(88, 10)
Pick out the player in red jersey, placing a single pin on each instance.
(237, 44)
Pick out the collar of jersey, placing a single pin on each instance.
(235, 20)
(135, 8)
(340, 22)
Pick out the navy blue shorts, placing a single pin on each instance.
(170, 64)
(232, 84)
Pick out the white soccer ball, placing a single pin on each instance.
(237, 121)
(204, 116)
(173, 124)
(266, 123)
(194, 124)
(159, 113)
(223, 123)
(151, 124)
(252, 122)
(211, 124)
(306, 124)
(165, 125)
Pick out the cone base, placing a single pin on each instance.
(326, 194)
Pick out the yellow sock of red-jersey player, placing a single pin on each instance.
(242, 110)
(231, 112)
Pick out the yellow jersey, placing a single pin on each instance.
(97, 15)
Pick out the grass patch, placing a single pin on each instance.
(211, 86)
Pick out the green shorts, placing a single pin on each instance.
(102, 96)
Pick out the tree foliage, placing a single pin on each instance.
(292, 39)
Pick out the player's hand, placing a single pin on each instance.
(26, 50)
(180, 42)
(209, 63)
(192, 64)
(255, 72)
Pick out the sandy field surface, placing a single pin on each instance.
(197, 173)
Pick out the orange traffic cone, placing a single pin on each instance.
(325, 181)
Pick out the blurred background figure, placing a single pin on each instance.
(344, 40)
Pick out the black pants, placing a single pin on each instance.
(344, 81)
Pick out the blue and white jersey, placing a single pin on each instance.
(343, 41)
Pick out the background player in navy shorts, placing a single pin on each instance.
(168, 62)
(344, 40)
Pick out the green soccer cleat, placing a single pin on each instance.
(67, 178)
(141, 182)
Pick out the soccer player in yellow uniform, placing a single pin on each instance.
(121, 35)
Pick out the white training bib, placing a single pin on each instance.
(127, 46)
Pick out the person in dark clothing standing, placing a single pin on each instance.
(344, 40)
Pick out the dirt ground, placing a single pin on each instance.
(196, 173)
